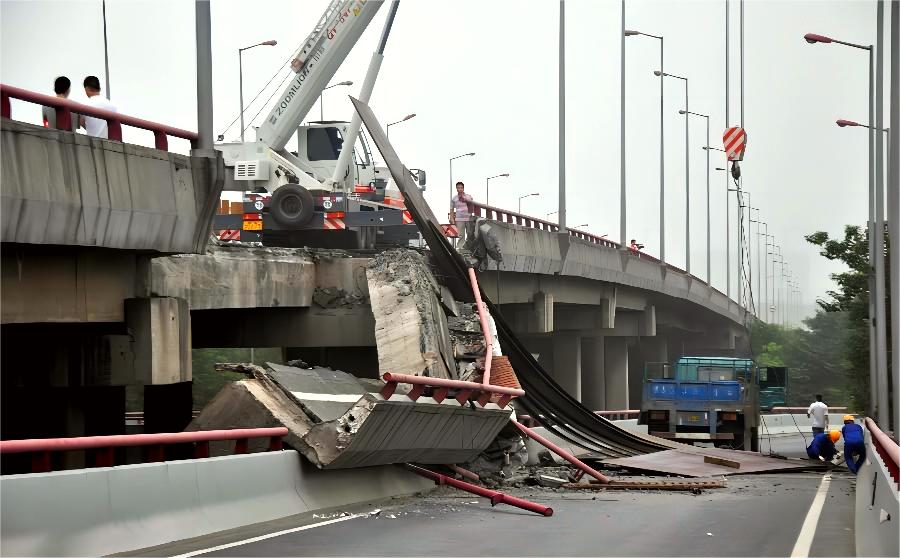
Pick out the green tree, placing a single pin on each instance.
(851, 300)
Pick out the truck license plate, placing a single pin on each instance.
(252, 225)
(694, 418)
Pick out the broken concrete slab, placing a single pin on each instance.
(410, 325)
(335, 422)
(323, 393)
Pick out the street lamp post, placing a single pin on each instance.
(727, 230)
(387, 129)
(878, 357)
(526, 196)
(662, 148)
(738, 193)
(708, 235)
(766, 245)
(321, 105)
(687, 172)
(487, 187)
(451, 171)
(758, 254)
(241, 78)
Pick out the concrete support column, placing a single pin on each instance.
(615, 360)
(567, 361)
(593, 379)
(543, 312)
(655, 349)
(161, 329)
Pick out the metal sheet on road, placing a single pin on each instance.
(692, 464)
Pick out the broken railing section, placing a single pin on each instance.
(485, 328)
(581, 465)
(441, 388)
(494, 496)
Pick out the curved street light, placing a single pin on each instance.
(487, 187)
(526, 196)
(241, 77)
(387, 128)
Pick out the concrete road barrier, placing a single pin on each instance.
(773, 426)
(94, 512)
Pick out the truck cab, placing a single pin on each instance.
(706, 399)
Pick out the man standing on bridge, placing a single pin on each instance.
(819, 413)
(461, 215)
(96, 127)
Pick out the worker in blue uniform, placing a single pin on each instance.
(854, 444)
(822, 446)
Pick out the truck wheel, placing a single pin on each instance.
(291, 206)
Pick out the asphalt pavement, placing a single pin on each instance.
(755, 515)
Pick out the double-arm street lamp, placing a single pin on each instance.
(662, 149)
(241, 77)
(687, 171)
(487, 187)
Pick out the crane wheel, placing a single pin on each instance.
(291, 206)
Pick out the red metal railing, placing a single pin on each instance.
(506, 216)
(886, 448)
(581, 465)
(485, 330)
(114, 120)
(493, 495)
(41, 448)
(464, 390)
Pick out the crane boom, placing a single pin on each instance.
(315, 64)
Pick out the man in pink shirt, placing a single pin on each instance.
(461, 214)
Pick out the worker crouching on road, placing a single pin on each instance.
(822, 446)
(854, 444)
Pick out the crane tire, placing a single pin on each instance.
(291, 206)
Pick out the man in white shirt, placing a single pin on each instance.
(818, 411)
(95, 126)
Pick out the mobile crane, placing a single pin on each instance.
(309, 195)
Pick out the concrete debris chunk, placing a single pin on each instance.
(411, 332)
(551, 482)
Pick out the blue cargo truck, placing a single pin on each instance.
(703, 399)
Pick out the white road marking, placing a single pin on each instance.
(268, 536)
(808, 531)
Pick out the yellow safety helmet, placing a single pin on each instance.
(849, 417)
(835, 435)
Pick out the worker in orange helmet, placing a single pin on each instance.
(854, 444)
(822, 446)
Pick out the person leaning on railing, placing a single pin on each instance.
(62, 86)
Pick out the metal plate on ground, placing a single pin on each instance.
(692, 464)
(650, 483)
(323, 393)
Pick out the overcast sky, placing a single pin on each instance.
(482, 76)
